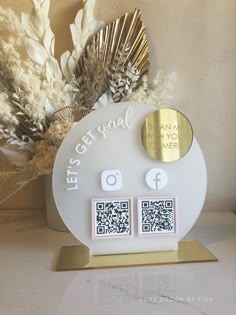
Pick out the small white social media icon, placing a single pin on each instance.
(156, 178)
(111, 180)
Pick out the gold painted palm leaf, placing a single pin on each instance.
(70, 114)
(115, 59)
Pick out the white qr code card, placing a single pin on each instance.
(112, 217)
(157, 215)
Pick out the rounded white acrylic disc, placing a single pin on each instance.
(113, 197)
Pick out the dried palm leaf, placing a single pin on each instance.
(82, 29)
(70, 114)
(116, 58)
(40, 40)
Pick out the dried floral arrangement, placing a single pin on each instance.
(40, 98)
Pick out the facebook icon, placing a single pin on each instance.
(156, 178)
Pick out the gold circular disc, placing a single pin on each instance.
(167, 135)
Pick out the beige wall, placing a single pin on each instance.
(195, 38)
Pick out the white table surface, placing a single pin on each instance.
(30, 286)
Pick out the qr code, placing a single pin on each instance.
(111, 217)
(157, 215)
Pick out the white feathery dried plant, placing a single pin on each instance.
(84, 27)
(40, 98)
(159, 92)
(31, 90)
(40, 46)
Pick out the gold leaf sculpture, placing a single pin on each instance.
(115, 60)
(70, 114)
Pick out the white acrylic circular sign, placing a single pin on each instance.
(113, 197)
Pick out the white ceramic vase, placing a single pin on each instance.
(54, 220)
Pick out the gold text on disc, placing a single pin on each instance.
(166, 135)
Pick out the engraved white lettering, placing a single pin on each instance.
(74, 162)
(86, 140)
(120, 122)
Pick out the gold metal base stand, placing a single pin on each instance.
(78, 258)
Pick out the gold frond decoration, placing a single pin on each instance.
(70, 114)
(116, 59)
